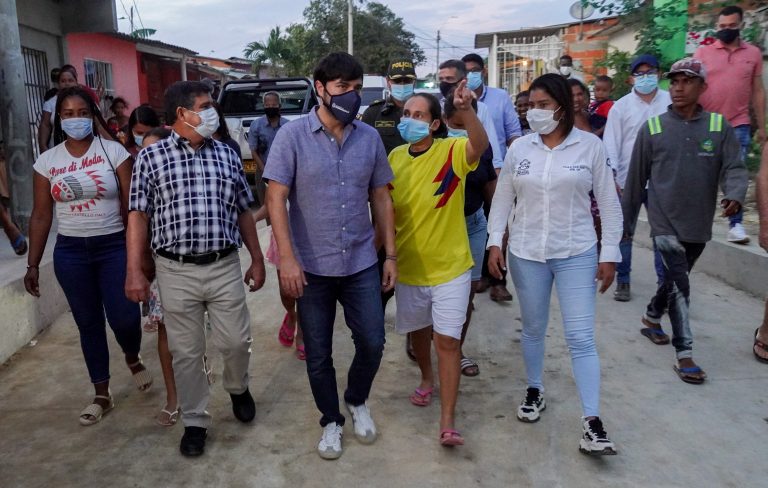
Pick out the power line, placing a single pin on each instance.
(138, 14)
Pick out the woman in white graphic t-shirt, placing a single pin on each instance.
(86, 180)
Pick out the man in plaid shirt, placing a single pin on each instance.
(191, 191)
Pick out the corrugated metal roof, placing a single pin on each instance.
(150, 42)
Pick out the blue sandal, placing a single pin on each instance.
(685, 374)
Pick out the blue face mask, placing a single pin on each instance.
(646, 84)
(402, 93)
(139, 140)
(412, 130)
(77, 128)
(474, 80)
(457, 132)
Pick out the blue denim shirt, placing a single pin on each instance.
(329, 192)
(261, 134)
(504, 116)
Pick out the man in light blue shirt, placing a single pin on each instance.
(499, 104)
(261, 133)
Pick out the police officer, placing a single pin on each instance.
(384, 115)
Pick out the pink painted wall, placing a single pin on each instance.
(121, 54)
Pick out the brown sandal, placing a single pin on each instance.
(761, 345)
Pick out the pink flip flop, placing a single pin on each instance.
(285, 334)
(301, 353)
(450, 438)
(421, 397)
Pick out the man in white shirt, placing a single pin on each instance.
(625, 119)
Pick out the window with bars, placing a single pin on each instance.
(36, 83)
(98, 76)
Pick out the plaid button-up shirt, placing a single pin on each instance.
(193, 197)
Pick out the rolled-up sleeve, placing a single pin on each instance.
(604, 188)
(503, 200)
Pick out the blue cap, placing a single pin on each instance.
(648, 59)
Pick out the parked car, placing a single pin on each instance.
(242, 102)
(374, 88)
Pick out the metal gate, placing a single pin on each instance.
(36, 83)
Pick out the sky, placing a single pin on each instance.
(222, 28)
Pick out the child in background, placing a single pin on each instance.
(598, 110)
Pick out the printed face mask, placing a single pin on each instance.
(402, 93)
(412, 130)
(541, 120)
(646, 84)
(209, 122)
(77, 128)
(345, 106)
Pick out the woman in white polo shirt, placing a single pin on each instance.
(543, 194)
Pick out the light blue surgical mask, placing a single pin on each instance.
(402, 93)
(139, 140)
(412, 130)
(474, 80)
(645, 84)
(209, 122)
(457, 132)
(77, 128)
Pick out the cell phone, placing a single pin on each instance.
(144, 309)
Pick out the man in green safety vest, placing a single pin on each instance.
(682, 156)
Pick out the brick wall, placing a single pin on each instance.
(590, 49)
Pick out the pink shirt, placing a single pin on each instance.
(731, 77)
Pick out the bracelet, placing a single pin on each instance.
(392, 258)
(33, 266)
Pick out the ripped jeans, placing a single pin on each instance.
(673, 294)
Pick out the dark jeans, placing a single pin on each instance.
(91, 271)
(673, 295)
(360, 296)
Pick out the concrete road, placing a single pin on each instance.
(668, 433)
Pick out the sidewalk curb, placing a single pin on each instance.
(744, 267)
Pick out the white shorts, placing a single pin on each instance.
(443, 306)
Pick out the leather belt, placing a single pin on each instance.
(206, 258)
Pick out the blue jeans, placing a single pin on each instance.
(477, 231)
(624, 268)
(743, 135)
(91, 271)
(574, 278)
(360, 296)
(673, 295)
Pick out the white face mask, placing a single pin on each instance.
(209, 122)
(541, 120)
(566, 70)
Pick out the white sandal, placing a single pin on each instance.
(172, 418)
(93, 413)
(142, 378)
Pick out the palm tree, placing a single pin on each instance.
(274, 50)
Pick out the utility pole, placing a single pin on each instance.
(350, 11)
(131, 20)
(438, 52)
(15, 119)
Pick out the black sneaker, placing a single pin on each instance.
(594, 440)
(529, 409)
(193, 441)
(243, 406)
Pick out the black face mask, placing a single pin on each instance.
(272, 112)
(727, 36)
(445, 88)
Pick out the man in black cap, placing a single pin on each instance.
(384, 115)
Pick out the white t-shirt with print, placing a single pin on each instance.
(85, 188)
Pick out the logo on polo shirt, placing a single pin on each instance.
(707, 145)
(523, 168)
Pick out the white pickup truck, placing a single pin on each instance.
(242, 102)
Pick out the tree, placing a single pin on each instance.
(379, 35)
(143, 33)
(274, 50)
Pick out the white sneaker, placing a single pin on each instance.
(594, 440)
(365, 429)
(530, 408)
(329, 446)
(738, 235)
